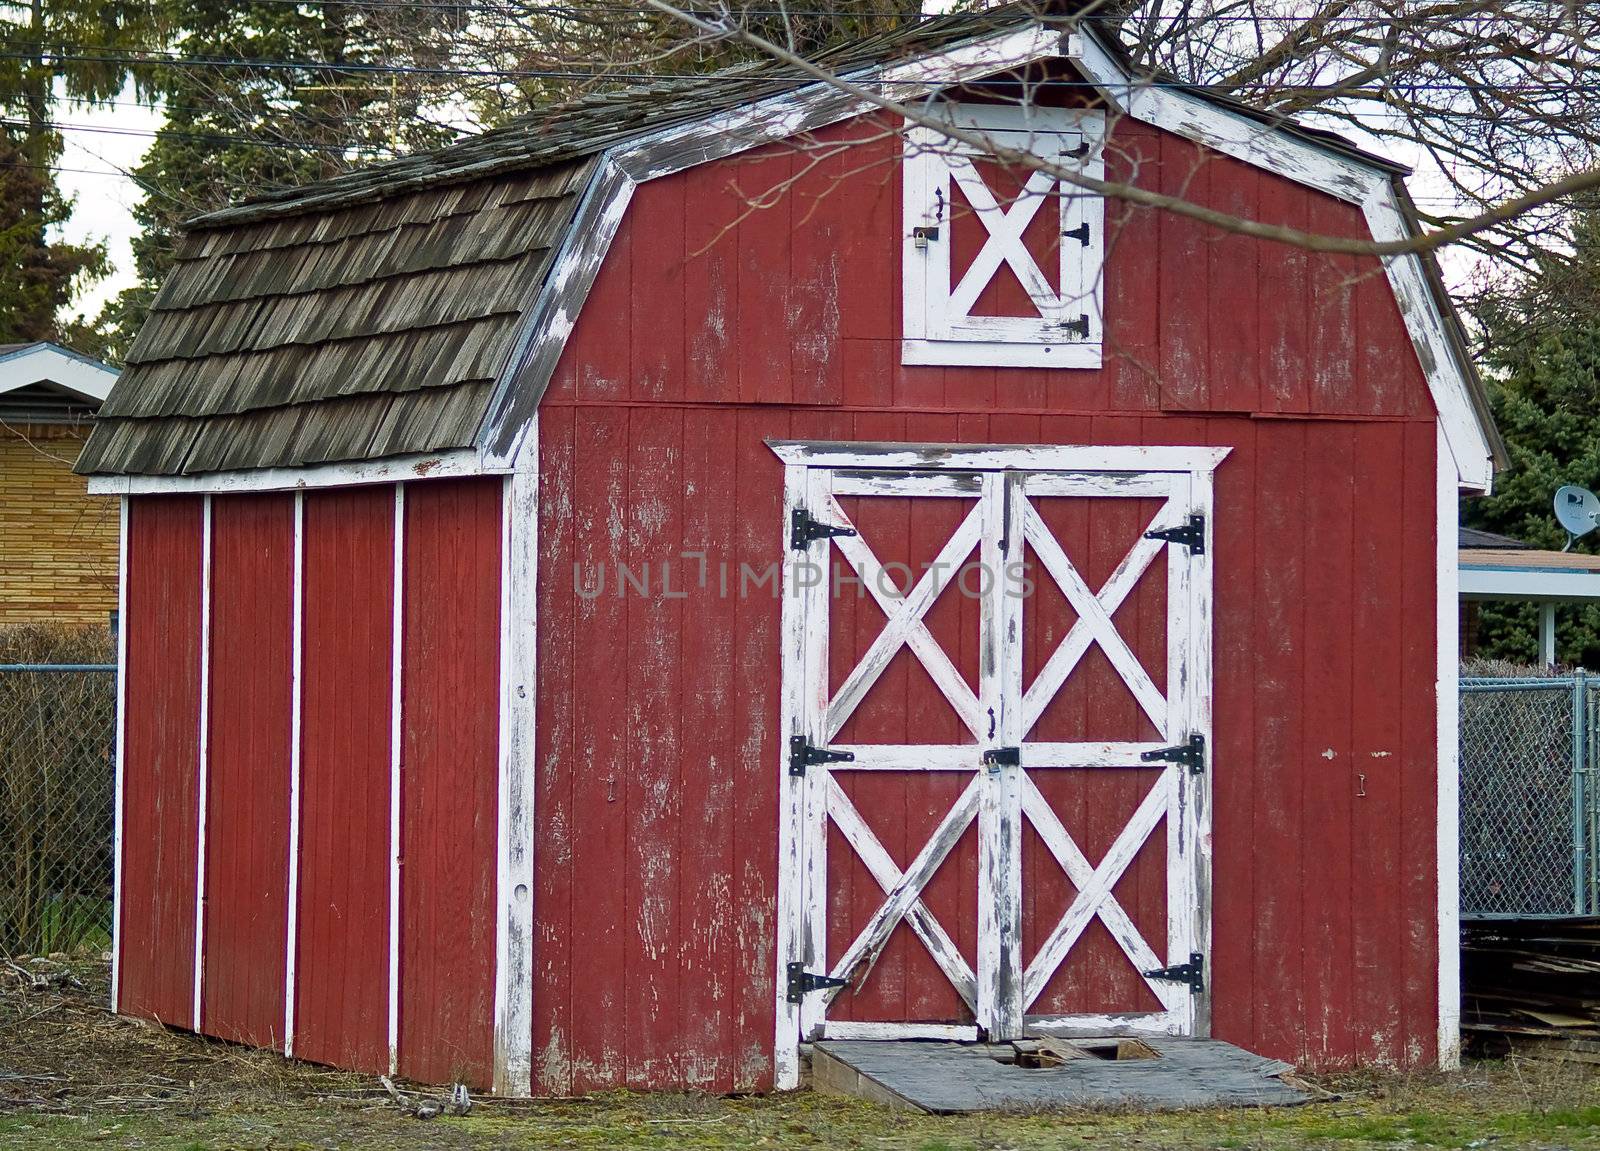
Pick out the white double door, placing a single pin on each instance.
(995, 787)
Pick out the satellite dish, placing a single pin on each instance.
(1578, 509)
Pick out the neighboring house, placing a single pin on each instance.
(1499, 568)
(416, 779)
(58, 547)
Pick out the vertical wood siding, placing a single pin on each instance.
(161, 758)
(247, 821)
(342, 966)
(448, 790)
(710, 327)
(657, 731)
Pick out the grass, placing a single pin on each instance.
(73, 1076)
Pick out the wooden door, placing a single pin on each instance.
(996, 695)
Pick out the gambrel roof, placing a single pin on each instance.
(419, 306)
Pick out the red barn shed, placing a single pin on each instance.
(705, 569)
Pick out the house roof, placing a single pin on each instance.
(1489, 541)
(41, 382)
(389, 311)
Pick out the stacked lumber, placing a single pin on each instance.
(1532, 986)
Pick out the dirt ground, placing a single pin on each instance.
(72, 1075)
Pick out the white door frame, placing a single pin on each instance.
(1001, 478)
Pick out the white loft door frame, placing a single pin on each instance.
(1002, 481)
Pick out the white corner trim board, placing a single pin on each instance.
(396, 732)
(514, 925)
(121, 745)
(1448, 734)
(297, 630)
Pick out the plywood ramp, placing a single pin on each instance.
(1155, 1074)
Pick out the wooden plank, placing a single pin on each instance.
(155, 933)
(1280, 595)
(1240, 777)
(600, 754)
(1181, 281)
(449, 787)
(759, 541)
(555, 804)
(1327, 906)
(710, 287)
(708, 778)
(1233, 314)
(655, 749)
(1132, 318)
(247, 818)
(1283, 276)
(1334, 336)
(656, 305)
(342, 966)
(605, 368)
(766, 277)
(1377, 700)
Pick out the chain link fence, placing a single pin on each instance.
(1528, 812)
(57, 785)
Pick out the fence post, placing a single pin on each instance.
(1580, 772)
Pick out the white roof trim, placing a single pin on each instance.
(1565, 585)
(1173, 110)
(54, 366)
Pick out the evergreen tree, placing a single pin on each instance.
(56, 51)
(1542, 362)
(332, 86)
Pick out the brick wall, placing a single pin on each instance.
(58, 544)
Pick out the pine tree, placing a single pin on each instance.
(1542, 362)
(57, 50)
(308, 91)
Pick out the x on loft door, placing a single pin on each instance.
(996, 694)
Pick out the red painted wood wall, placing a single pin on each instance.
(161, 751)
(448, 780)
(247, 785)
(449, 755)
(342, 941)
(713, 325)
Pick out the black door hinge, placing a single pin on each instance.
(803, 529)
(1192, 535)
(1191, 754)
(1080, 233)
(803, 982)
(1193, 972)
(802, 755)
(1078, 327)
